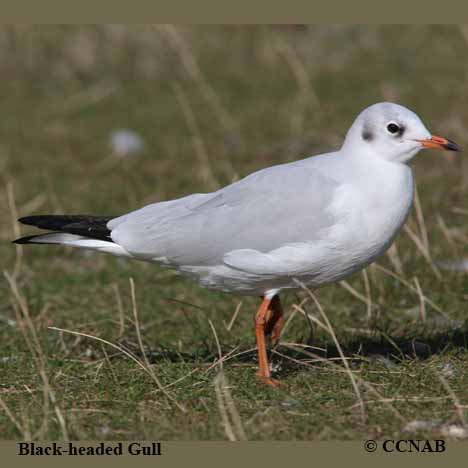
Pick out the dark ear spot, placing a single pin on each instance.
(367, 135)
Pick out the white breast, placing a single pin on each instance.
(371, 213)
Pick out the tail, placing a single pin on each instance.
(88, 232)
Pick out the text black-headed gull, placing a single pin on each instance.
(313, 221)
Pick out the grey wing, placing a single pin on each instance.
(267, 210)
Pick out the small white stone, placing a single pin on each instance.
(126, 143)
(455, 431)
(447, 370)
(420, 425)
(457, 265)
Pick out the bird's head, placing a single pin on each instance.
(392, 132)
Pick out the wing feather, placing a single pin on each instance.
(267, 210)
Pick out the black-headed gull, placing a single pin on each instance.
(313, 221)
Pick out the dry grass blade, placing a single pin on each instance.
(223, 387)
(448, 237)
(412, 288)
(219, 382)
(408, 398)
(395, 260)
(109, 364)
(369, 387)
(234, 431)
(418, 242)
(101, 340)
(118, 298)
(179, 44)
(10, 415)
(180, 379)
(422, 304)
(86, 98)
(234, 316)
(206, 171)
(231, 355)
(454, 398)
(306, 94)
(137, 329)
(33, 205)
(328, 326)
(143, 352)
(305, 346)
(291, 316)
(309, 317)
(367, 290)
(16, 228)
(459, 210)
(420, 219)
(30, 336)
(126, 353)
(344, 284)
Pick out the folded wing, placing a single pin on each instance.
(267, 210)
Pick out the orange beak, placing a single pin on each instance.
(440, 143)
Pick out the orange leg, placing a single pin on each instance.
(268, 321)
(275, 321)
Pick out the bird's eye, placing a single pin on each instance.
(393, 128)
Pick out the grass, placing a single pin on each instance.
(214, 104)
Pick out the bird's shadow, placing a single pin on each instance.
(292, 359)
(392, 350)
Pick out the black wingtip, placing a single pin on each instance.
(24, 240)
(29, 220)
(94, 227)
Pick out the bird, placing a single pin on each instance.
(311, 222)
